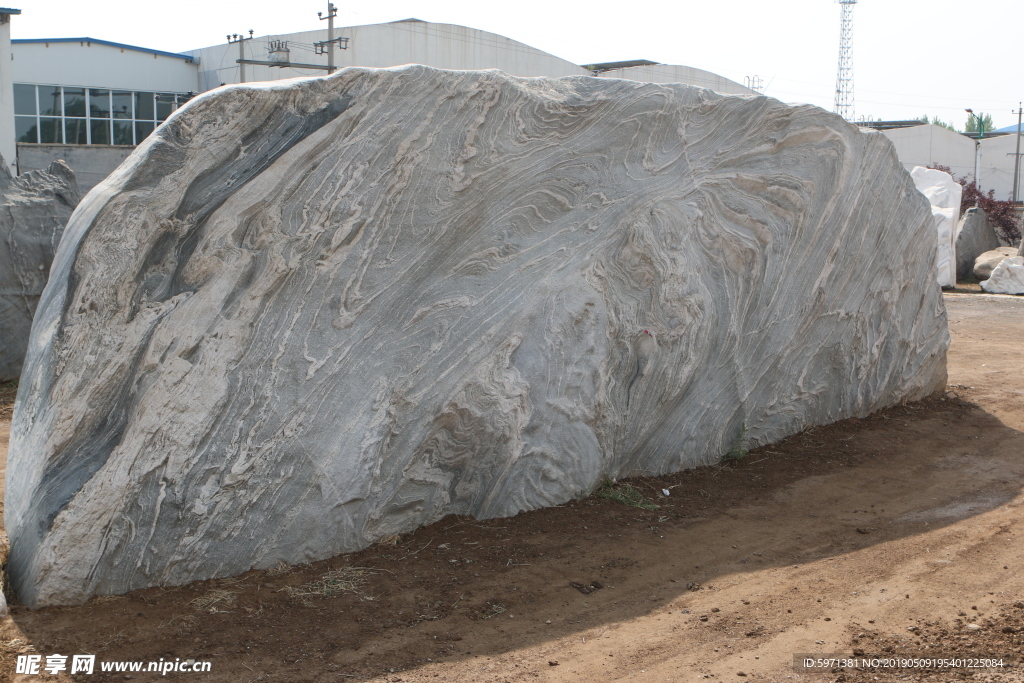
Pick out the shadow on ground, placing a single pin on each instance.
(462, 589)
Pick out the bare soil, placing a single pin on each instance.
(898, 534)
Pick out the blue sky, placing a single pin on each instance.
(911, 57)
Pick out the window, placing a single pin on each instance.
(121, 104)
(25, 100)
(51, 114)
(26, 129)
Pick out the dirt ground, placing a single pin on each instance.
(895, 535)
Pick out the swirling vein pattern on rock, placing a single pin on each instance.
(305, 316)
(34, 208)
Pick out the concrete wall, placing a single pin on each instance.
(95, 65)
(7, 149)
(91, 163)
(443, 46)
(997, 165)
(673, 73)
(928, 145)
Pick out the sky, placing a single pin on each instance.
(910, 57)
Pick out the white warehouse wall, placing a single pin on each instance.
(96, 65)
(8, 149)
(674, 73)
(930, 145)
(997, 165)
(443, 46)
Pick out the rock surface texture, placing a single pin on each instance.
(974, 236)
(305, 316)
(1007, 278)
(987, 262)
(944, 194)
(34, 208)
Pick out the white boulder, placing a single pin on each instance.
(944, 194)
(987, 262)
(1007, 278)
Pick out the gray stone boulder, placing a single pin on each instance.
(974, 236)
(34, 208)
(987, 262)
(308, 315)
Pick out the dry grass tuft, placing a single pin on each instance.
(331, 584)
(213, 600)
(279, 570)
(8, 392)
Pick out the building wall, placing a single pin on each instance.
(443, 46)
(7, 148)
(931, 145)
(96, 65)
(93, 64)
(91, 163)
(674, 73)
(997, 165)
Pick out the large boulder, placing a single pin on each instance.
(987, 262)
(34, 208)
(974, 236)
(944, 194)
(308, 315)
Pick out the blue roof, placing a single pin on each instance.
(1008, 129)
(188, 58)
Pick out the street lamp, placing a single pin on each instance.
(977, 154)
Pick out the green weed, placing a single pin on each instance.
(625, 494)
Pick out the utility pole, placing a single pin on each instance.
(1016, 156)
(332, 12)
(977, 152)
(235, 38)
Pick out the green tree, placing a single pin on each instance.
(938, 122)
(972, 123)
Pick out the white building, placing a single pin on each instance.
(90, 101)
(930, 145)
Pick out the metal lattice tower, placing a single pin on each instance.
(844, 77)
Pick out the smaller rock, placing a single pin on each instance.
(974, 236)
(973, 627)
(987, 262)
(552, 663)
(1007, 278)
